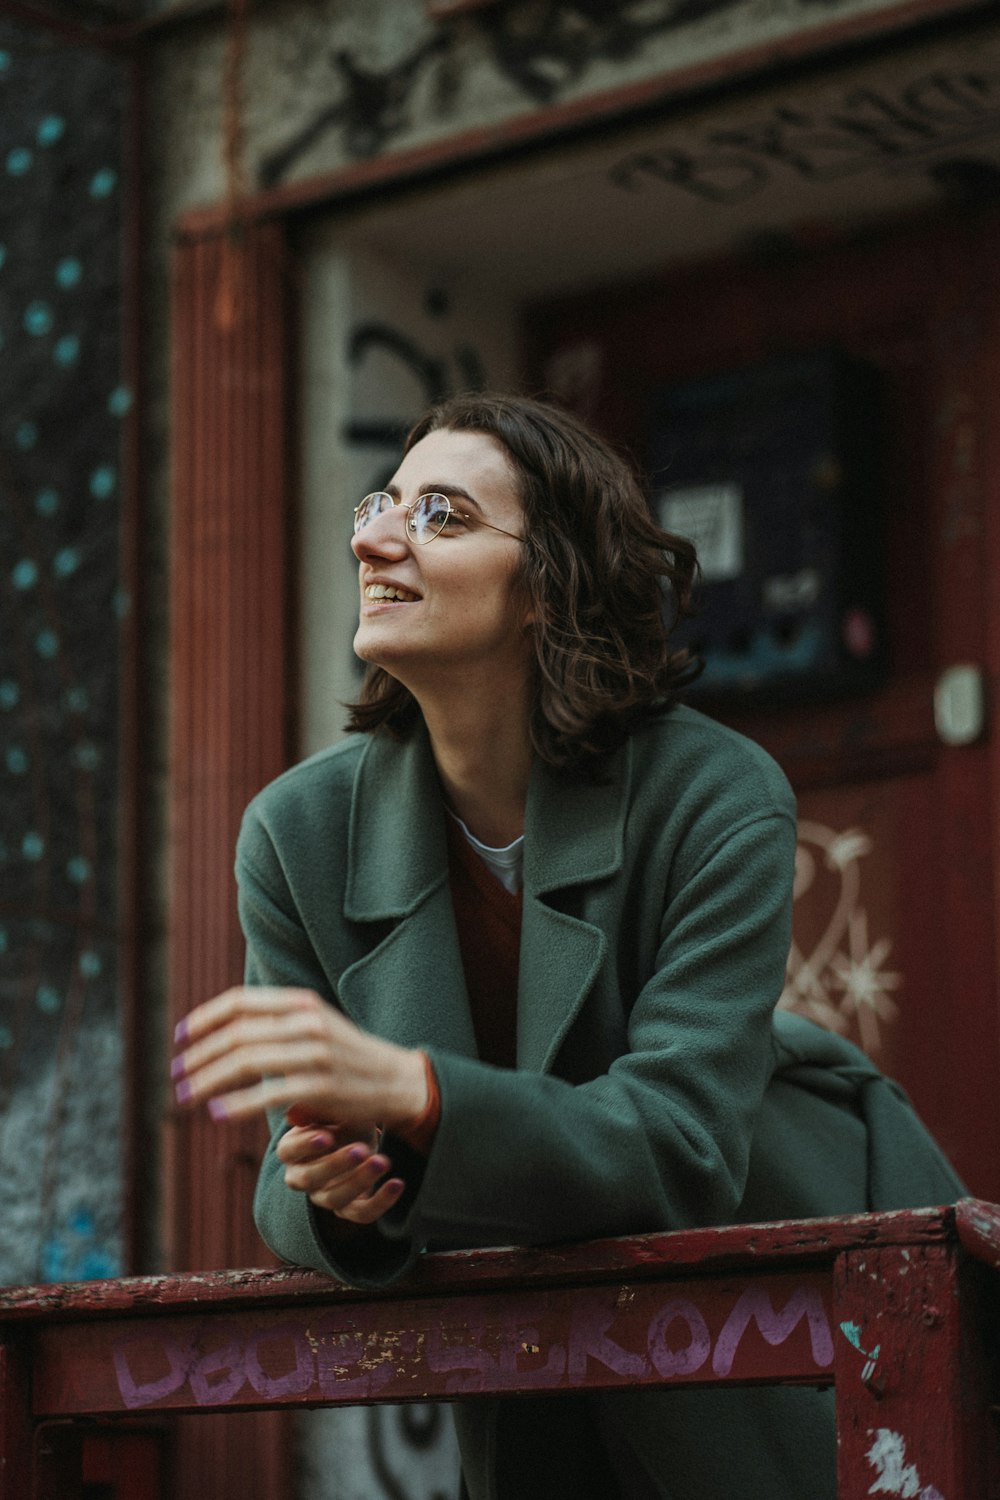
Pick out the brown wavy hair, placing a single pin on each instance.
(605, 584)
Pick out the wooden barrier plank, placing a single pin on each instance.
(732, 1247)
(764, 1327)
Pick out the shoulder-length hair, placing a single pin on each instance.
(604, 583)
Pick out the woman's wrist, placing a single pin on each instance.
(409, 1094)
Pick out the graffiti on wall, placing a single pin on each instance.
(841, 981)
(895, 130)
(542, 47)
(62, 403)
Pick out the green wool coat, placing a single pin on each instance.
(656, 1088)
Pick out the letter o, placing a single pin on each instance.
(670, 1362)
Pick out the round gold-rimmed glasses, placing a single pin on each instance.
(426, 516)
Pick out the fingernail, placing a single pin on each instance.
(217, 1109)
(321, 1142)
(183, 1091)
(181, 1031)
(357, 1153)
(379, 1164)
(395, 1187)
(177, 1067)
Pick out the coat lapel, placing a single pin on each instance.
(410, 987)
(574, 835)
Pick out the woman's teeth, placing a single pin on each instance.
(387, 591)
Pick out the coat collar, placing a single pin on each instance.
(410, 988)
(397, 852)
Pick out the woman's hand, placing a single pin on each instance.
(250, 1050)
(339, 1172)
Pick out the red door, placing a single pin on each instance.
(895, 938)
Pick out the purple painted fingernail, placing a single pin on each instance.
(177, 1067)
(181, 1031)
(183, 1091)
(395, 1187)
(379, 1164)
(321, 1142)
(217, 1109)
(357, 1154)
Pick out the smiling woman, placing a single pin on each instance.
(514, 950)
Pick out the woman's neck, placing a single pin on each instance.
(483, 755)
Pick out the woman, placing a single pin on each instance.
(513, 950)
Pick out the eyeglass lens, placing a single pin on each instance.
(426, 517)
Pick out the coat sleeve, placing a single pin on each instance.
(279, 952)
(662, 1140)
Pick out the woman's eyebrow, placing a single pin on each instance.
(452, 491)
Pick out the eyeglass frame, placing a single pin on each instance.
(463, 515)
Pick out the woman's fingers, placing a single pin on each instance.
(366, 1209)
(238, 1001)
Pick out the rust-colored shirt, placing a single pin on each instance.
(488, 919)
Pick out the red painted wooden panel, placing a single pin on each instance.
(766, 1327)
(229, 648)
(916, 1369)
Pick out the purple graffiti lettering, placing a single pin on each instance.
(476, 1363)
(520, 1351)
(755, 1306)
(588, 1340)
(146, 1393)
(226, 1362)
(294, 1382)
(337, 1354)
(668, 1361)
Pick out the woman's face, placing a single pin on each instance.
(459, 608)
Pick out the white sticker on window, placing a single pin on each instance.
(711, 516)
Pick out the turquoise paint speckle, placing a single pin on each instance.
(69, 273)
(6, 1037)
(19, 161)
(77, 700)
(51, 129)
(38, 319)
(86, 756)
(47, 502)
(47, 644)
(122, 603)
(16, 760)
(32, 846)
(25, 575)
(3, 940)
(67, 350)
(102, 482)
(47, 999)
(3, 256)
(90, 964)
(26, 436)
(102, 184)
(120, 401)
(10, 693)
(81, 1221)
(4, 63)
(65, 562)
(78, 870)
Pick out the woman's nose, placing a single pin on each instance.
(384, 536)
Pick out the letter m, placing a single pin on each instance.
(755, 1306)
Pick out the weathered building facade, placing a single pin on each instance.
(351, 207)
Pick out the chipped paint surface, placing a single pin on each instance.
(887, 1456)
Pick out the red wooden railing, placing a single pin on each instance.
(897, 1311)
